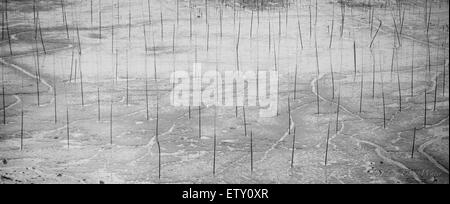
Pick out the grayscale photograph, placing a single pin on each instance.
(224, 92)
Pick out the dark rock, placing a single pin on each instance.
(4, 161)
(102, 182)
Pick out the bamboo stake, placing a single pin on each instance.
(317, 81)
(332, 75)
(21, 116)
(117, 65)
(354, 57)
(435, 91)
(289, 114)
(162, 26)
(190, 19)
(425, 110)
(81, 82)
(270, 38)
(79, 40)
(178, 11)
(129, 24)
(399, 91)
(3, 24)
(237, 44)
(414, 143)
(37, 80)
(392, 61)
(92, 17)
(384, 108)
(149, 12)
(68, 127)
(338, 110)
(54, 91)
(295, 82)
(293, 150)
(310, 22)
(146, 90)
(7, 28)
(371, 14)
(326, 149)
(215, 140)
(396, 31)
(34, 18)
(206, 11)
(257, 10)
(332, 28)
(361, 93)
(245, 121)
(3, 95)
(100, 24)
(412, 71)
(118, 12)
(300, 31)
(112, 28)
(237, 59)
(221, 22)
(111, 118)
(98, 104)
(443, 80)
(343, 19)
(75, 71)
(286, 19)
(234, 14)
(376, 33)
(373, 75)
(21, 128)
(157, 135)
(200, 121)
(127, 83)
(279, 24)
(315, 19)
(64, 16)
(207, 38)
(251, 151)
(251, 26)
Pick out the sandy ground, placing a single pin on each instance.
(361, 149)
